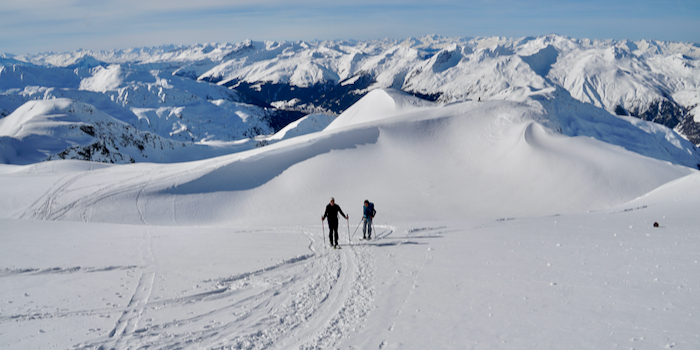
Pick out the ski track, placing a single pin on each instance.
(138, 205)
(311, 301)
(83, 205)
(56, 203)
(51, 208)
(122, 333)
(46, 202)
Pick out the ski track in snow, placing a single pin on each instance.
(311, 301)
(127, 325)
(51, 207)
(58, 203)
(46, 202)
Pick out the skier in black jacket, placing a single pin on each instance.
(332, 211)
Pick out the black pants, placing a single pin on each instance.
(333, 233)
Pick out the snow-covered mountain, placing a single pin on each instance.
(211, 95)
(651, 80)
(152, 104)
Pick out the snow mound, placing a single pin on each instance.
(377, 105)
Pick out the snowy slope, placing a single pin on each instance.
(491, 151)
(494, 230)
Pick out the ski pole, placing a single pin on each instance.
(358, 226)
(348, 221)
(324, 234)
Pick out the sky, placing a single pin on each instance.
(35, 26)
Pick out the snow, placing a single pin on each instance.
(306, 125)
(104, 79)
(494, 230)
(376, 105)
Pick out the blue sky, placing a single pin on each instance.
(33, 26)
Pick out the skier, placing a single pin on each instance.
(332, 211)
(368, 213)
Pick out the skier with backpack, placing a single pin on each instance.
(368, 213)
(331, 213)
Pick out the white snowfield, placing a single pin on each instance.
(500, 225)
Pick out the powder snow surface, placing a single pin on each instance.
(498, 227)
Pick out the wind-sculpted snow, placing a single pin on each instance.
(573, 118)
(254, 171)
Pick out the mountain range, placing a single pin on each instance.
(181, 103)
